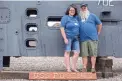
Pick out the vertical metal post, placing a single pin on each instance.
(1, 62)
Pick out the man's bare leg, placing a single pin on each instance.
(85, 60)
(93, 61)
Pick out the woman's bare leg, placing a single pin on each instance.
(67, 60)
(74, 61)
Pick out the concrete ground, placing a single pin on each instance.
(19, 67)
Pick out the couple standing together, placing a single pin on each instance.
(86, 25)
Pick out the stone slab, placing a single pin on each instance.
(62, 76)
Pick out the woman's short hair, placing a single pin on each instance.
(71, 6)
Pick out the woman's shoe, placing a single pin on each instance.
(75, 70)
(68, 70)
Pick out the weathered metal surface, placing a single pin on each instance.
(17, 15)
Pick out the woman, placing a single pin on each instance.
(70, 31)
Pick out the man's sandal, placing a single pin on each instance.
(84, 70)
(93, 70)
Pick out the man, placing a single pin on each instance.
(89, 32)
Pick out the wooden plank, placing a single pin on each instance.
(62, 76)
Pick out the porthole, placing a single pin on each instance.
(31, 27)
(31, 43)
(31, 12)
